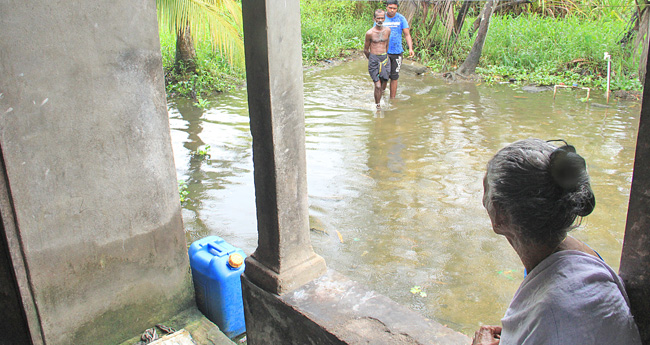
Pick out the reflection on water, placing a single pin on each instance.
(395, 197)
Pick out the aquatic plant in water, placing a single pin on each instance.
(182, 191)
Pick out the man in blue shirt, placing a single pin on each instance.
(398, 26)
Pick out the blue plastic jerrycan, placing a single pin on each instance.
(216, 270)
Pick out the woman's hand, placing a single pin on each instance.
(487, 335)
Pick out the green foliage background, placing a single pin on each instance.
(332, 29)
(545, 44)
(534, 47)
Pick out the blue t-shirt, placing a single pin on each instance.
(396, 24)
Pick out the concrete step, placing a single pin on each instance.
(196, 328)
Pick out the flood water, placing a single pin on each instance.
(395, 198)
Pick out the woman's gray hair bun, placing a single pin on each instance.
(569, 171)
(567, 167)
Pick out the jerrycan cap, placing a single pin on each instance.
(235, 260)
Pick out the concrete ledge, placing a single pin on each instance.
(202, 330)
(336, 310)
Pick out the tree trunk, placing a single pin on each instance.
(408, 8)
(642, 37)
(185, 52)
(469, 66)
(460, 19)
(425, 11)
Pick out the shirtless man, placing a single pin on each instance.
(375, 49)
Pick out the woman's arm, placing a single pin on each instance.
(487, 335)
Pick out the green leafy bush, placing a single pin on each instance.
(331, 28)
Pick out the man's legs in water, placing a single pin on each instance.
(395, 66)
(380, 86)
(393, 88)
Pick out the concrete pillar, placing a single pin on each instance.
(284, 258)
(19, 321)
(635, 259)
(89, 200)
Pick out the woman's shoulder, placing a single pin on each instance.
(571, 264)
(569, 274)
(575, 294)
(574, 284)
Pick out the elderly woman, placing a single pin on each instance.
(534, 192)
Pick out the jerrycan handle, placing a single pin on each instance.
(216, 249)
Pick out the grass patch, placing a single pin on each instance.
(548, 51)
(333, 28)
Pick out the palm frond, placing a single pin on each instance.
(221, 18)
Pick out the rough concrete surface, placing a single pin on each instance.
(336, 310)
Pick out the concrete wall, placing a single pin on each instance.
(333, 309)
(96, 237)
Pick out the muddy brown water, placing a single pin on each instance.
(395, 197)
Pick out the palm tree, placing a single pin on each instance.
(189, 19)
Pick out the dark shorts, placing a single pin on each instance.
(378, 67)
(395, 64)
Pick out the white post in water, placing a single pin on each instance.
(609, 67)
